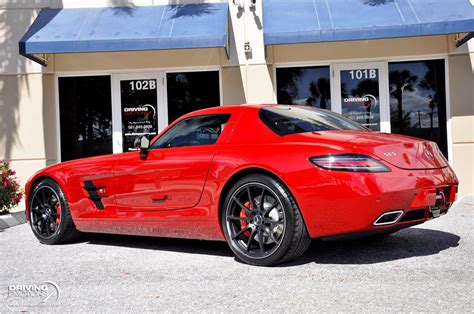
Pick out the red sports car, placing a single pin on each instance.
(266, 178)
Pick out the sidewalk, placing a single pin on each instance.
(12, 219)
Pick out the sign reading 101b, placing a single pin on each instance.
(363, 74)
(139, 110)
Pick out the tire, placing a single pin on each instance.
(50, 216)
(263, 233)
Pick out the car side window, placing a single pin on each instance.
(194, 131)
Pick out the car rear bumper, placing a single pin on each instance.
(341, 203)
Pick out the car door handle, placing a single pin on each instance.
(159, 198)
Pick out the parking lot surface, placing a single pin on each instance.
(424, 268)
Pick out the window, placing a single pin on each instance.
(139, 109)
(304, 86)
(285, 120)
(191, 91)
(195, 131)
(85, 107)
(360, 96)
(418, 100)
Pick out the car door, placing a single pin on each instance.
(172, 174)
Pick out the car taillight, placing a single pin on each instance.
(349, 162)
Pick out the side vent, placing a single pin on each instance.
(93, 195)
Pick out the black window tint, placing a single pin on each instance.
(418, 100)
(285, 120)
(85, 107)
(195, 131)
(308, 86)
(191, 91)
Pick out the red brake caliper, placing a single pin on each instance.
(244, 223)
(58, 211)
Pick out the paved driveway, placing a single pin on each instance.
(424, 268)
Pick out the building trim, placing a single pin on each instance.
(448, 113)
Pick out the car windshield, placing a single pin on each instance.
(285, 120)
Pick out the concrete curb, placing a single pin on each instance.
(11, 220)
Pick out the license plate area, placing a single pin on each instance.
(442, 204)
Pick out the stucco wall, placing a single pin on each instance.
(461, 79)
(26, 97)
(363, 49)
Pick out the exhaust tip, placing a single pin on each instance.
(388, 218)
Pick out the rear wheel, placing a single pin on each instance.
(262, 222)
(50, 216)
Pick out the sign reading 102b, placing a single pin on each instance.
(139, 110)
(142, 85)
(363, 74)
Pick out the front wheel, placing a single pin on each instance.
(262, 222)
(50, 217)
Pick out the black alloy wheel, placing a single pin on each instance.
(262, 222)
(49, 214)
(45, 212)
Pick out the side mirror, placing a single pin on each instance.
(142, 143)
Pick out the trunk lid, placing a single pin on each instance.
(398, 150)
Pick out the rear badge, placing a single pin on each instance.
(390, 154)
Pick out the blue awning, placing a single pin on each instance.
(201, 25)
(301, 21)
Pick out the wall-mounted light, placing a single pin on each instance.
(247, 47)
(239, 4)
(253, 4)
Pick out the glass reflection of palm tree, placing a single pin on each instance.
(429, 83)
(320, 89)
(406, 119)
(400, 82)
(363, 88)
(183, 86)
(96, 127)
(288, 89)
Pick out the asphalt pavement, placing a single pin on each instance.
(426, 268)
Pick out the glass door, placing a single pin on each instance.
(418, 100)
(85, 116)
(138, 108)
(361, 94)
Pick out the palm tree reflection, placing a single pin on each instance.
(320, 90)
(429, 83)
(304, 86)
(400, 82)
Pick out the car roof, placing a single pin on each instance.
(226, 109)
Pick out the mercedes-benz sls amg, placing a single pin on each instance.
(265, 178)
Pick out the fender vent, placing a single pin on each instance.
(91, 189)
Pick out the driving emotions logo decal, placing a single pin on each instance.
(369, 101)
(146, 111)
(29, 296)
